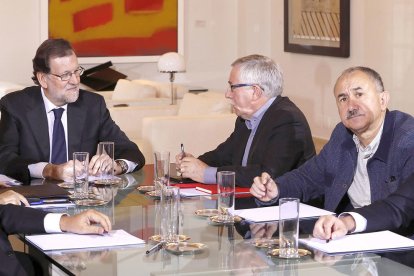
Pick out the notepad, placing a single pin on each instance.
(272, 213)
(376, 241)
(62, 241)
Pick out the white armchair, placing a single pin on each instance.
(203, 121)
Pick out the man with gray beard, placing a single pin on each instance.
(34, 144)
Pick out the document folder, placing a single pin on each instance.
(102, 77)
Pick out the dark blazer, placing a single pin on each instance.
(16, 219)
(331, 172)
(24, 137)
(396, 212)
(282, 142)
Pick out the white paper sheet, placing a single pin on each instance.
(189, 192)
(63, 241)
(53, 205)
(272, 213)
(376, 241)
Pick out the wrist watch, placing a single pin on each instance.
(123, 165)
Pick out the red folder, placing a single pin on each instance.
(210, 187)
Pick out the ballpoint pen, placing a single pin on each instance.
(38, 201)
(155, 248)
(182, 156)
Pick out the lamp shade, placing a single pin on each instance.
(171, 62)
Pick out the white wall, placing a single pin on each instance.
(217, 32)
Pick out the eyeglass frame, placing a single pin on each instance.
(80, 69)
(238, 85)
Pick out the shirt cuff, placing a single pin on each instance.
(210, 175)
(36, 170)
(266, 203)
(360, 221)
(52, 223)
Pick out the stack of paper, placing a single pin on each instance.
(63, 241)
(376, 241)
(272, 213)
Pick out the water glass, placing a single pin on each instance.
(288, 227)
(170, 214)
(80, 174)
(106, 170)
(225, 190)
(161, 169)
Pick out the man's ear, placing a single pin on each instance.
(257, 92)
(41, 78)
(384, 99)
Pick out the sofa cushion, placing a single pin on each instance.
(164, 89)
(204, 103)
(127, 90)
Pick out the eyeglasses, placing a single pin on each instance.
(66, 76)
(238, 85)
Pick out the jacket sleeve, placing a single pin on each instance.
(17, 219)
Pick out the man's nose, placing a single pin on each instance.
(228, 94)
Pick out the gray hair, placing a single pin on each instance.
(371, 73)
(263, 71)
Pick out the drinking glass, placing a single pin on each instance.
(80, 174)
(106, 170)
(170, 214)
(161, 169)
(225, 190)
(288, 227)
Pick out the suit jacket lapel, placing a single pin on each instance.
(36, 116)
(76, 118)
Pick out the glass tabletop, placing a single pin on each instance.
(229, 249)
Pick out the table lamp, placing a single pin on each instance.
(171, 63)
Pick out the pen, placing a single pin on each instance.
(204, 190)
(155, 248)
(182, 156)
(182, 151)
(48, 201)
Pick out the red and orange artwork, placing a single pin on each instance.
(98, 28)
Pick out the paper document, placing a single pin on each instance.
(4, 179)
(63, 241)
(272, 213)
(189, 192)
(376, 241)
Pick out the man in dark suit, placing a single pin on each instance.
(271, 134)
(16, 219)
(28, 126)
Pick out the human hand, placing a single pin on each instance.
(193, 168)
(88, 222)
(100, 163)
(330, 227)
(59, 172)
(263, 230)
(264, 188)
(178, 160)
(11, 197)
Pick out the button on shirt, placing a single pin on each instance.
(252, 124)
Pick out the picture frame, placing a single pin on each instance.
(317, 27)
(44, 34)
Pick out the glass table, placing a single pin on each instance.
(231, 249)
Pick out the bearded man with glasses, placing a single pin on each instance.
(41, 126)
(271, 134)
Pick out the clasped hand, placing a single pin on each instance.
(190, 167)
(264, 188)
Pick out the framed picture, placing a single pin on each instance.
(119, 31)
(317, 27)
